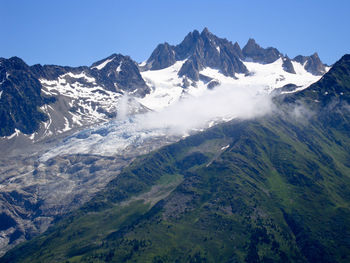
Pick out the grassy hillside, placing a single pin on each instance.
(267, 190)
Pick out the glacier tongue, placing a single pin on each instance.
(116, 137)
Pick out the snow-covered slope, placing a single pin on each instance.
(67, 97)
(168, 87)
(79, 102)
(85, 103)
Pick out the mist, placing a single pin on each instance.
(220, 104)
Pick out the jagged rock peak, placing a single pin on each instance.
(312, 63)
(206, 33)
(253, 52)
(251, 44)
(200, 50)
(20, 98)
(288, 65)
(111, 58)
(162, 57)
(119, 73)
(219, 53)
(15, 63)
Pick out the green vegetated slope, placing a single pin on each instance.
(274, 189)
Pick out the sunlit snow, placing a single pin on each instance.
(103, 64)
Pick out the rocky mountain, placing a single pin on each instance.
(269, 189)
(202, 61)
(312, 64)
(119, 74)
(20, 98)
(201, 50)
(67, 98)
(40, 101)
(252, 51)
(69, 131)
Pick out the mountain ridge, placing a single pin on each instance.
(75, 89)
(201, 49)
(107, 79)
(106, 84)
(248, 191)
(274, 188)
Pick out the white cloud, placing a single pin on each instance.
(224, 102)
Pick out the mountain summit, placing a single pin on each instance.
(50, 99)
(201, 50)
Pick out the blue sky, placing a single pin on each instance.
(80, 32)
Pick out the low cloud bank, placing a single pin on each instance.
(222, 103)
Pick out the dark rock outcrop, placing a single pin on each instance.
(252, 51)
(287, 65)
(191, 69)
(162, 57)
(119, 75)
(20, 98)
(312, 64)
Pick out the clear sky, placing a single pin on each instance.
(80, 32)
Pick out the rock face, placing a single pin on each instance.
(200, 50)
(312, 64)
(162, 57)
(253, 52)
(28, 94)
(287, 65)
(20, 98)
(119, 73)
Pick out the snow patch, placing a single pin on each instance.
(103, 64)
(15, 134)
(166, 86)
(80, 75)
(225, 147)
(142, 64)
(32, 136)
(66, 125)
(119, 68)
